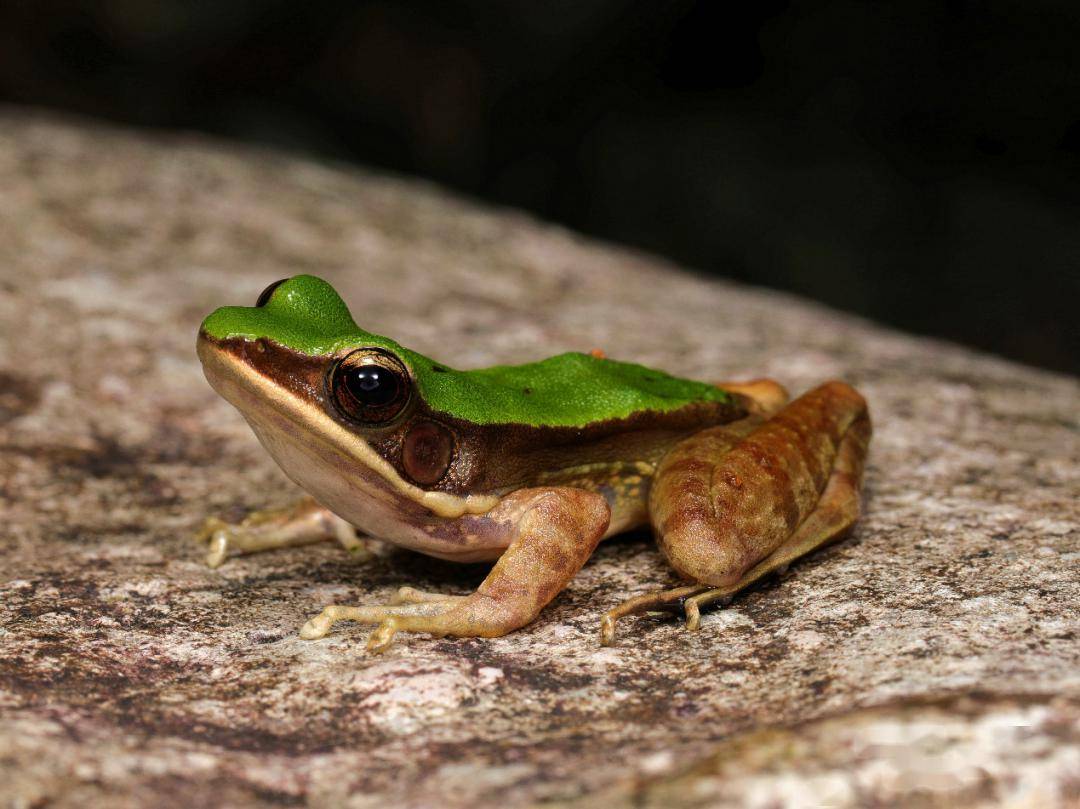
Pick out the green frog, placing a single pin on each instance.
(527, 466)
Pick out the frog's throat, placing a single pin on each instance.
(234, 379)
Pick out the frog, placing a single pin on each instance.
(527, 467)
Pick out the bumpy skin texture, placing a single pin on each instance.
(727, 497)
(733, 504)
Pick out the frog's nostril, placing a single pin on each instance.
(266, 294)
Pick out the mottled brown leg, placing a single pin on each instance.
(302, 523)
(835, 513)
(729, 509)
(554, 532)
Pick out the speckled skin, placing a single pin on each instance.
(930, 659)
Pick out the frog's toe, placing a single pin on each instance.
(692, 606)
(221, 539)
(382, 637)
(316, 627)
(218, 548)
(302, 523)
(689, 598)
(206, 530)
(214, 536)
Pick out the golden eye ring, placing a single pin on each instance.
(370, 386)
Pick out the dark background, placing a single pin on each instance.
(915, 162)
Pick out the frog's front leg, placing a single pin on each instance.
(302, 523)
(730, 505)
(552, 532)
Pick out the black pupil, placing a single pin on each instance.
(372, 385)
(264, 296)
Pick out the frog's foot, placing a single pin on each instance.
(554, 531)
(657, 600)
(689, 598)
(730, 511)
(302, 523)
(406, 603)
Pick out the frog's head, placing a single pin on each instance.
(339, 408)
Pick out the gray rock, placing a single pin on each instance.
(929, 659)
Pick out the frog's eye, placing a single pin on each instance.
(264, 296)
(371, 386)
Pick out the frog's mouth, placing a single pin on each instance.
(315, 450)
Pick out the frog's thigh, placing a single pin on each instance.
(718, 510)
(554, 531)
(302, 523)
(835, 512)
(731, 505)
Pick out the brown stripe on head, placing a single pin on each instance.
(439, 452)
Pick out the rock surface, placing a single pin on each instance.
(930, 659)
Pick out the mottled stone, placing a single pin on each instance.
(930, 659)
(966, 751)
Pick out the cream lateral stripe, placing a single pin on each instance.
(321, 427)
(599, 469)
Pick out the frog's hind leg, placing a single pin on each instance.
(551, 533)
(729, 511)
(302, 523)
(835, 513)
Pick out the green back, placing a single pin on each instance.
(568, 390)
